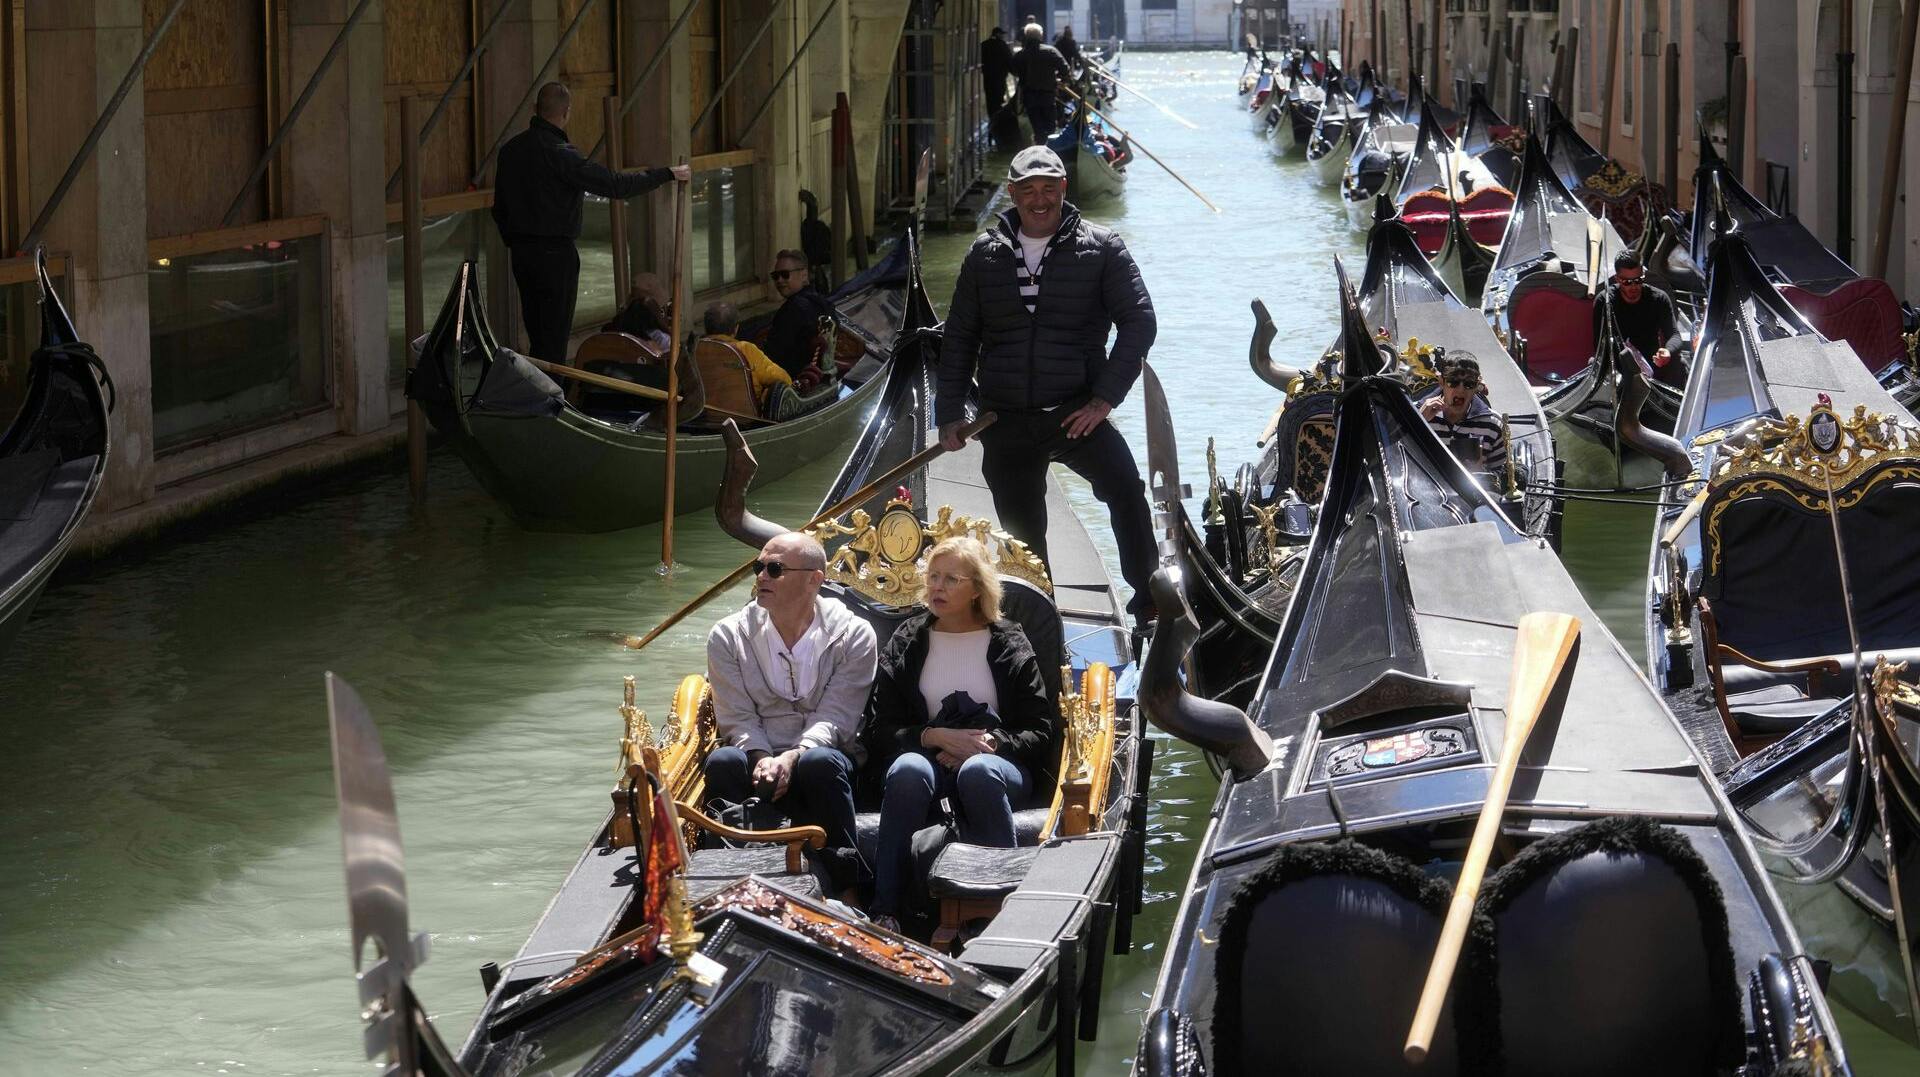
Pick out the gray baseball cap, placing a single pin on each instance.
(1035, 161)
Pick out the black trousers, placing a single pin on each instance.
(1043, 113)
(996, 89)
(1015, 453)
(547, 272)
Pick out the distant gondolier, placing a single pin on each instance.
(538, 190)
(1041, 69)
(1028, 323)
(996, 63)
(1644, 314)
(1069, 48)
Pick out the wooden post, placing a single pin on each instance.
(1346, 44)
(856, 216)
(841, 137)
(1896, 141)
(1433, 49)
(616, 207)
(1843, 240)
(1497, 62)
(1670, 127)
(1517, 49)
(1613, 73)
(1737, 118)
(1563, 90)
(676, 319)
(413, 113)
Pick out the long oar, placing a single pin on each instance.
(912, 463)
(1135, 143)
(1115, 79)
(673, 368)
(618, 386)
(1541, 646)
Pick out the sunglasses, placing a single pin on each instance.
(772, 569)
(1463, 383)
(783, 274)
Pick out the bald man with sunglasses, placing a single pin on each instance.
(790, 675)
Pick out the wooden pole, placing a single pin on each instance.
(1843, 244)
(617, 207)
(1150, 154)
(841, 136)
(1737, 118)
(646, 392)
(1437, 26)
(1563, 90)
(1496, 62)
(1517, 50)
(1896, 141)
(1613, 74)
(1670, 127)
(680, 212)
(856, 216)
(413, 112)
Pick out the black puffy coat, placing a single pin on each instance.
(1058, 354)
(541, 178)
(1041, 69)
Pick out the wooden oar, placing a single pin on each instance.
(1115, 79)
(673, 371)
(631, 388)
(893, 474)
(1136, 144)
(1541, 645)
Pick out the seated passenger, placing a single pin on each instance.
(722, 321)
(959, 702)
(645, 315)
(795, 329)
(1463, 420)
(790, 675)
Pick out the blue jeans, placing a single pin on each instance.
(820, 791)
(985, 789)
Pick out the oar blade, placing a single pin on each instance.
(1542, 643)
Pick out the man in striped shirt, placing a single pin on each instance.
(1459, 415)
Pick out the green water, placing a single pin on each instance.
(170, 888)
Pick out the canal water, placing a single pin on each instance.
(170, 888)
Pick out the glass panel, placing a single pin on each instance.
(238, 337)
(596, 304)
(446, 241)
(19, 335)
(722, 227)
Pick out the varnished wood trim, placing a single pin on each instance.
(728, 159)
(226, 239)
(20, 270)
(440, 205)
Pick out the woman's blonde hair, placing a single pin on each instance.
(986, 580)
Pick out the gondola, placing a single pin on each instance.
(52, 458)
(1298, 111)
(1096, 162)
(663, 954)
(556, 467)
(1761, 638)
(1604, 185)
(1379, 159)
(1491, 139)
(1836, 300)
(1260, 98)
(1628, 925)
(1242, 557)
(1334, 133)
(1455, 207)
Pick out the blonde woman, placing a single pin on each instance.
(959, 705)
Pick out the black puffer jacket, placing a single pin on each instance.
(1041, 69)
(1058, 354)
(539, 182)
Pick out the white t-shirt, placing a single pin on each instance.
(1033, 255)
(791, 671)
(957, 662)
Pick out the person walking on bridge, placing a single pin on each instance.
(1028, 328)
(537, 195)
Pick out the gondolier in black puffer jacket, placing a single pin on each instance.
(1028, 323)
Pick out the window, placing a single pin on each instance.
(722, 227)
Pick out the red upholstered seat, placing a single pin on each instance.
(1486, 211)
(1426, 214)
(1558, 325)
(1863, 312)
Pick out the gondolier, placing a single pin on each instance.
(1028, 323)
(538, 189)
(1040, 69)
(1644, 314)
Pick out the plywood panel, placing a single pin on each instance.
(195, 163)
(212, 43)
(706, 75)
(592, 48)
(425, 41)
(447, 160)
(589, 108)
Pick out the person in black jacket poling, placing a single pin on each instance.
(537, 193)
(996, 63)
(1041, 69)
(1028, 323)
(1644, 314)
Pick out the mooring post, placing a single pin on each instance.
(1670, 153)
(856, 218)
(1843, 240)
(413, 113)
(617, 207)
(840, 137)
(1896, 141)
(1613, 74)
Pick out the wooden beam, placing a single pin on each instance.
(617, 207)
(1896, 145)
(189, 244)
(1613, 74)
(412, 115)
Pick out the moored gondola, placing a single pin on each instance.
(1487, 136)
(1627, 927)
(1771, 589)
(1334, 133)
(659, 955)
(1096, 160)
(52, 458)
(1378, 160)
(1601, 183)
(1443, 187)
(556, 466)
(1242, 557)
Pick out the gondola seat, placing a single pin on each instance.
(1555, 315)
(710, 870)
(1320, 963)
(1602, 950)
(1863, 312)
(723, 371)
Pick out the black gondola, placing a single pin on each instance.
(1490, 138)
(1334, 132)
(52, 458)
(739, 962)
(1836, 300)
(1608, 187)
(1758, 631)
(1242, 558)
(1631, 927)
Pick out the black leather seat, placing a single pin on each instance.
(978, 872)
(709, 870)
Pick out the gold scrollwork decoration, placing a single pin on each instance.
(880, 559)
